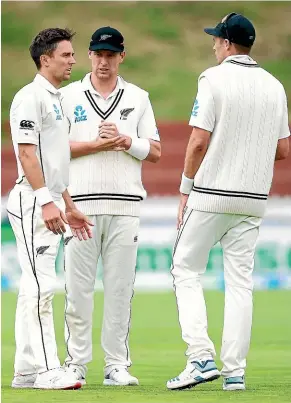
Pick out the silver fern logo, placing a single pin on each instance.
(125, 112)
(41, 249)
(104, 37)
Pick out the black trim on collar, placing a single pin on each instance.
(242, 64)
(106, 114)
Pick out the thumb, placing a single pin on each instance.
(87, 221)
(63, 217)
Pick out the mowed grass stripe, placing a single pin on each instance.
(158, 353)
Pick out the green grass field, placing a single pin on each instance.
(158, 353)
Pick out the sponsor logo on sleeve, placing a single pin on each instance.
(80, 114)
(195, 108)
(58, 113)
(27, 125)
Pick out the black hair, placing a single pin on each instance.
(47, 41)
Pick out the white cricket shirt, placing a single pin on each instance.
(36, 117)
(107, 182)
(245, 109)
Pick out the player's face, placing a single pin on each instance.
(220, 48)
(61, 61)
(105, 63)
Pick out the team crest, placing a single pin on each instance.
(125, 112)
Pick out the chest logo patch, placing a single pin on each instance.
(80, 114)
(57, 112)
(125, 112)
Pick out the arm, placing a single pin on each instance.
(155, 151)
(283, 144)
(30, 165)
(53, 217)
(144, 147)
(196, 150)
(147, 146)
(203, 120)
(78, 222)
(283, 147)
(79, 149)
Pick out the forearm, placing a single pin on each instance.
(195, 153)
(194, 157)
(70, 205)
(155, 151)
(32, 170)
(144, 149)
(80, 149)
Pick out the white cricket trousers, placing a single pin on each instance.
(199, 233)
(115, 239)
(37, 248)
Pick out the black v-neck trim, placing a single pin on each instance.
(106, 114)
(243, 64)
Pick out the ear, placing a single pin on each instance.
(122, 57)
(44, 60)
(227, 44)
(90, 54)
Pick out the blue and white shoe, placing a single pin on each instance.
(234, 383)
(195, 372)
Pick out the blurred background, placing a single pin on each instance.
(166, 51)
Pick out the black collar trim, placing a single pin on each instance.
(106, 114)
(243, 64)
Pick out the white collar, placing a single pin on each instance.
(241, 59)
(87, 86)
(41, 80)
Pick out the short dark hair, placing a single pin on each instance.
(46, 42)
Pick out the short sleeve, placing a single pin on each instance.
(26, 119)
(203, 111)
(285, 130)
(147, 127)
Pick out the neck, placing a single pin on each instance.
(104, 87)
(55, 82)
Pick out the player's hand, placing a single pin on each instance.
(54, 218)
(181, 211)
(79, 224)
(127, 141)
(110, 144)
(107, 130)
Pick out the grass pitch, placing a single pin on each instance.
(158, 353)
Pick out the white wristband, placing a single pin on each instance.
(43, 196)
(139, 148)
(186, 185)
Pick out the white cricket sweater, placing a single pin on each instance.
(245, 108)
(107, 182)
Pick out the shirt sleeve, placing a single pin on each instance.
(147, 127)
(203, 111)
(285, 130)
(26, 119)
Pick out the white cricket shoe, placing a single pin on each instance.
(23, 381)
(234, 383)
(120, 377)
(78, 372)
(195, 372)
(57, 378)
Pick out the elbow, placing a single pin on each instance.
(22, 155)
(282, 155)
(199, 146)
